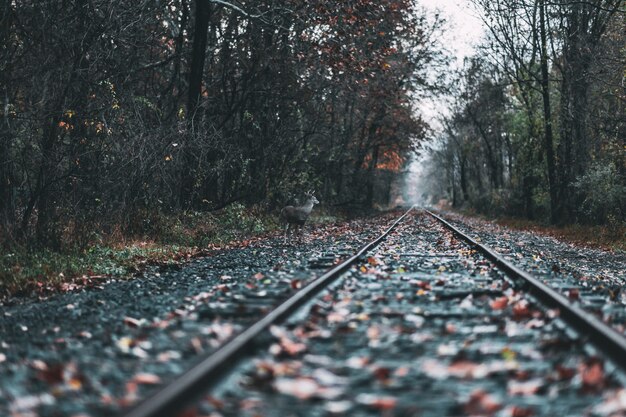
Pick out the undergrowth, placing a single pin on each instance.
(608, 237)
(165, 239)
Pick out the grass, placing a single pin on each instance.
(168, 240)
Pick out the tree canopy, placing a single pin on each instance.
(112, 110)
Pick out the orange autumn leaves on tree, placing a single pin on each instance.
(389, 160)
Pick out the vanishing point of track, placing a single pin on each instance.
(190, 385)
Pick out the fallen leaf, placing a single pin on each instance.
(521, 309)
(377, 402)
(573, 294)
(132, 322)
(525, 388)
(382, 374)
(592, 375)
(305, 388)
(146, 379)
(481, 403)
(338, 407)
(499, 303)
(517, 411)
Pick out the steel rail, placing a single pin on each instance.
(602, 336)
(173, 397)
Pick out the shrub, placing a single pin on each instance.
(602, 191)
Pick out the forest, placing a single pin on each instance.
(115, 114)
(538, 121)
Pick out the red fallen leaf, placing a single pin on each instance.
(521, 310)
(481, 403)
(382, 374)
(573, 294)
(258, 275)
(462, 368)
(223, 288)
(296, 284)
(373, 261)
(50, 374)
(499, 303)
(423, 285)
(517, 411)
(146, 379)
(131, 394)
(592, 375)
(292, 348)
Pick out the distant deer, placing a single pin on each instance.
(298, 216)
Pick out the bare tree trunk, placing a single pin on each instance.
(547, 117)
(196, 70)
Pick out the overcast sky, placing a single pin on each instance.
(465, 28)
(463, 31)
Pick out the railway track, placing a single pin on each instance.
(424, 321)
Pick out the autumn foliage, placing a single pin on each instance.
(113, 111)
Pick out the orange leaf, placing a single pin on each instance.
(499, 303)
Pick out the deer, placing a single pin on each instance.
(298, 216)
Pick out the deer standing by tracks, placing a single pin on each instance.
(298, 216)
